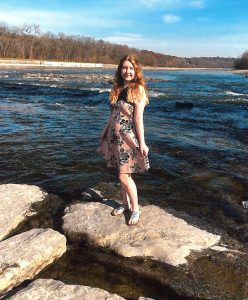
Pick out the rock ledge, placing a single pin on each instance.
(159, 235)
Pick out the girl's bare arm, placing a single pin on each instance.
(139, 124)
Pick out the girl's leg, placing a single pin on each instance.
(129, 186)
(125, 197)
(125, 203)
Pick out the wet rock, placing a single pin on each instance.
(104, 78)
(183, 105)
(92, 195)
(51, 289)
(25, 255)
(152, 79)
(159, 235)
(102, 191)
(21, 206)
(245, 204)
(109, 190)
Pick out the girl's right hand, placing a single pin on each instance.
(103, 136)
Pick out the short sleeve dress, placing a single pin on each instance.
(120, 147)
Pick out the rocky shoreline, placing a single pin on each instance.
(184, 261)
(10, 64)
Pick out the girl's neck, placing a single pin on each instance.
(125, 84)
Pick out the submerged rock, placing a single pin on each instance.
(102, 191)
(183, 105)
(20, 203)
(159, 235)
(25, 255)
(49, 289)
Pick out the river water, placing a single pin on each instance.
(51, 121)
(50, 124)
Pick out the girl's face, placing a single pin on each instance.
(127, 71)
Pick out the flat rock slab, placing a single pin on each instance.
(158, 235)
(17, 204)
(25, 255)
(49, 289)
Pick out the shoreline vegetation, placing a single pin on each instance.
(28, 42)
(31, 63)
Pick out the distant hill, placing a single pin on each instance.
(210, 62)
(161, 60)
(27, 42)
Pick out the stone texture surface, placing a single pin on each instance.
(49, 289)
(21, 202)
(159, 235)
(26, 254)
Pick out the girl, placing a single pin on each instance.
(122, 141)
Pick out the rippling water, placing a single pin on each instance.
(51, 121)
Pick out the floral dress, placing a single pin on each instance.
(120, 146)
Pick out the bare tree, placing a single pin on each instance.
(242, 62)
(5, 40)
(31, 33)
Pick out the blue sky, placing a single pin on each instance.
(176, 27)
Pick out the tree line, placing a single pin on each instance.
(242, 61)
(28, 42)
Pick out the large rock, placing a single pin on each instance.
(49, 289)
(20, 203)
(25, 255)
(159, 235)
(186, 260)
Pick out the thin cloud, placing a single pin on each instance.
(233, 45)
(160, 3)
(125, 38)
(172, 4)
(57, 19)
(150, 3)
(34, 16)
(171, 19)
(196, 3)
(137, 41)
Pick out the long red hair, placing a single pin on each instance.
(135, 90)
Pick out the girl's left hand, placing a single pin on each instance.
(144, 150)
